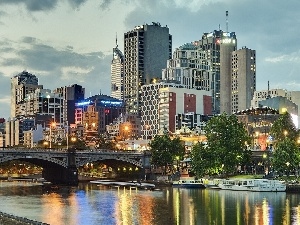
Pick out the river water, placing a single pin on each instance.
(91, 204)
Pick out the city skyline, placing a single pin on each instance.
(68, 42)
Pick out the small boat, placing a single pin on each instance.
(253, 185)
(188, 182)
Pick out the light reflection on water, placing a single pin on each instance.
(91, 204)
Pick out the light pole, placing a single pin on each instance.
(53, 124)
(67, 137)
(147, 127)
(126, 128)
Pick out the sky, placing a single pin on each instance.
(65, 42)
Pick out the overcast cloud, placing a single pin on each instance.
(67, 42)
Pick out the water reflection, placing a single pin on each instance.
(230, 207)
(91, 204)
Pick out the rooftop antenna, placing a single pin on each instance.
(268, 96)
(219, 27)
(116, 39)
(226, 21)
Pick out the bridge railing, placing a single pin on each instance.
(24, 149)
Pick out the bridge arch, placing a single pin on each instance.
(135, 162)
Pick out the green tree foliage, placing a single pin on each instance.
(201, 160)
(286, 157)
(165, 150)
(226, 147)
(104, 143)
(284, 127)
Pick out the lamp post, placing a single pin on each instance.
(126, 128)
(67, 133)
(53, 124)
(147, 127)
(288, 169)
(177, 163)
(45, 143)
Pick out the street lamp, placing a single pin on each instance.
(126, 128)
(45, 143)
(147, 127)
(53, 124)
(177, 160)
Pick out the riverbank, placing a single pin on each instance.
(9, 219)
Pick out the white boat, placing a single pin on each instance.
(253, 185)
(188, 182)
(124, 184)
(213, 183)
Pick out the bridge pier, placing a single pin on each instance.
(61, 175)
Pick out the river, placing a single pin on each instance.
(91, 204)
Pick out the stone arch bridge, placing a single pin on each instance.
(61, 166)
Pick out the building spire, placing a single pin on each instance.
(226, 21)
(116, 40)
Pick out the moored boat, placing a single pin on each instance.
(213, 183)
(253, 185)
(136, 184)
(189, 182)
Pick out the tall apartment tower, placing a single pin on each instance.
(71, 95)
(227, 46)
(243, 79)
(147, 49)
(21, 85)
(117, 74)
(189, 67)
(211, 43)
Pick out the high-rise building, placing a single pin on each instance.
(243, 80)
(147, 49)
(117, 74)
(71, 95)
(21, 85)
(163, 101)
(43, 102)
(214, 44)
(98, 111)
(189, 67)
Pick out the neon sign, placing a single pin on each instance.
(83, 103)
(105, 102)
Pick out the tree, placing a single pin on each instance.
(201, 160)
(165, 150)
(286, 156)
(226, 146)
(284, 127)
(104, 143)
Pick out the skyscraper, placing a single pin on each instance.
(21, 85)
(147, 49)
(227, 46)
(71, 95)
(117, 74)
(243, 79)
(211, 43)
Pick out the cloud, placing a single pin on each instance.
(293, 58)
(33, 5)
(42, 5)
(76, 3)
(57, 67)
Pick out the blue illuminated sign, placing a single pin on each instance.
(83, 103)
(105, 102)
